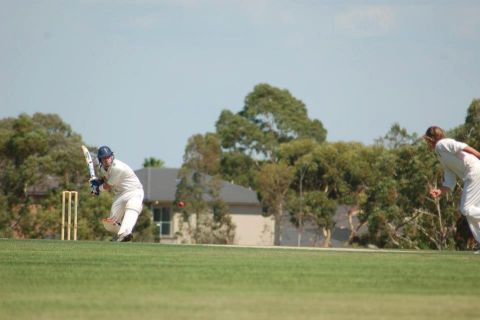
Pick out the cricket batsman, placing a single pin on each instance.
(128, 194)
(462, 161)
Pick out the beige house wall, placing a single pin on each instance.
(251, 228)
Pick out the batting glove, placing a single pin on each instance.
(95, 186)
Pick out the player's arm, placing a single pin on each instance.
(106, 186)
(471, 150)
(449, 182)
(103, 184)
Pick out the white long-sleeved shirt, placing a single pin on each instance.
(455, 161)
(121, 177)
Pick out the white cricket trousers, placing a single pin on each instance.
(126, 207)
(470, 202)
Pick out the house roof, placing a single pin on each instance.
(160, 184)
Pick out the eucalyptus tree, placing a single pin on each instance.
(396, 137)
(380, 195)
(469, 131)
(200, 188)
(333, 169)
(40, 156)
(35, 147)
(280, 117)
(273, 181)
(321, 212)
(298, 155)
(342, 175)
(397, 208)
(36, 153)
(270, 117)
(425, 222)
(237, 167)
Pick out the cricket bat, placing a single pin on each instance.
(88, 158)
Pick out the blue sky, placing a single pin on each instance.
(142, 76)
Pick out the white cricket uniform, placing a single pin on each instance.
(128, 195)
(461, 164)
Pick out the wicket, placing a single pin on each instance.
(67, 208)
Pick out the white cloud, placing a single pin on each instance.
(366, 21)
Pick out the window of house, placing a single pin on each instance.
(163, 219)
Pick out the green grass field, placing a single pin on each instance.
(103, 280)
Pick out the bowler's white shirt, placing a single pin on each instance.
(121, 177)
(455, 161)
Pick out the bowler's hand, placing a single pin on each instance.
(435, 193)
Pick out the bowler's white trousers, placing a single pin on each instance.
(470, 202)
(126, 207)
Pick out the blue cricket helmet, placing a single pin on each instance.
(104, 152)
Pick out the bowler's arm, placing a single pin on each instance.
(471, 150)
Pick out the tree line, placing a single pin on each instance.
(271, 146)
